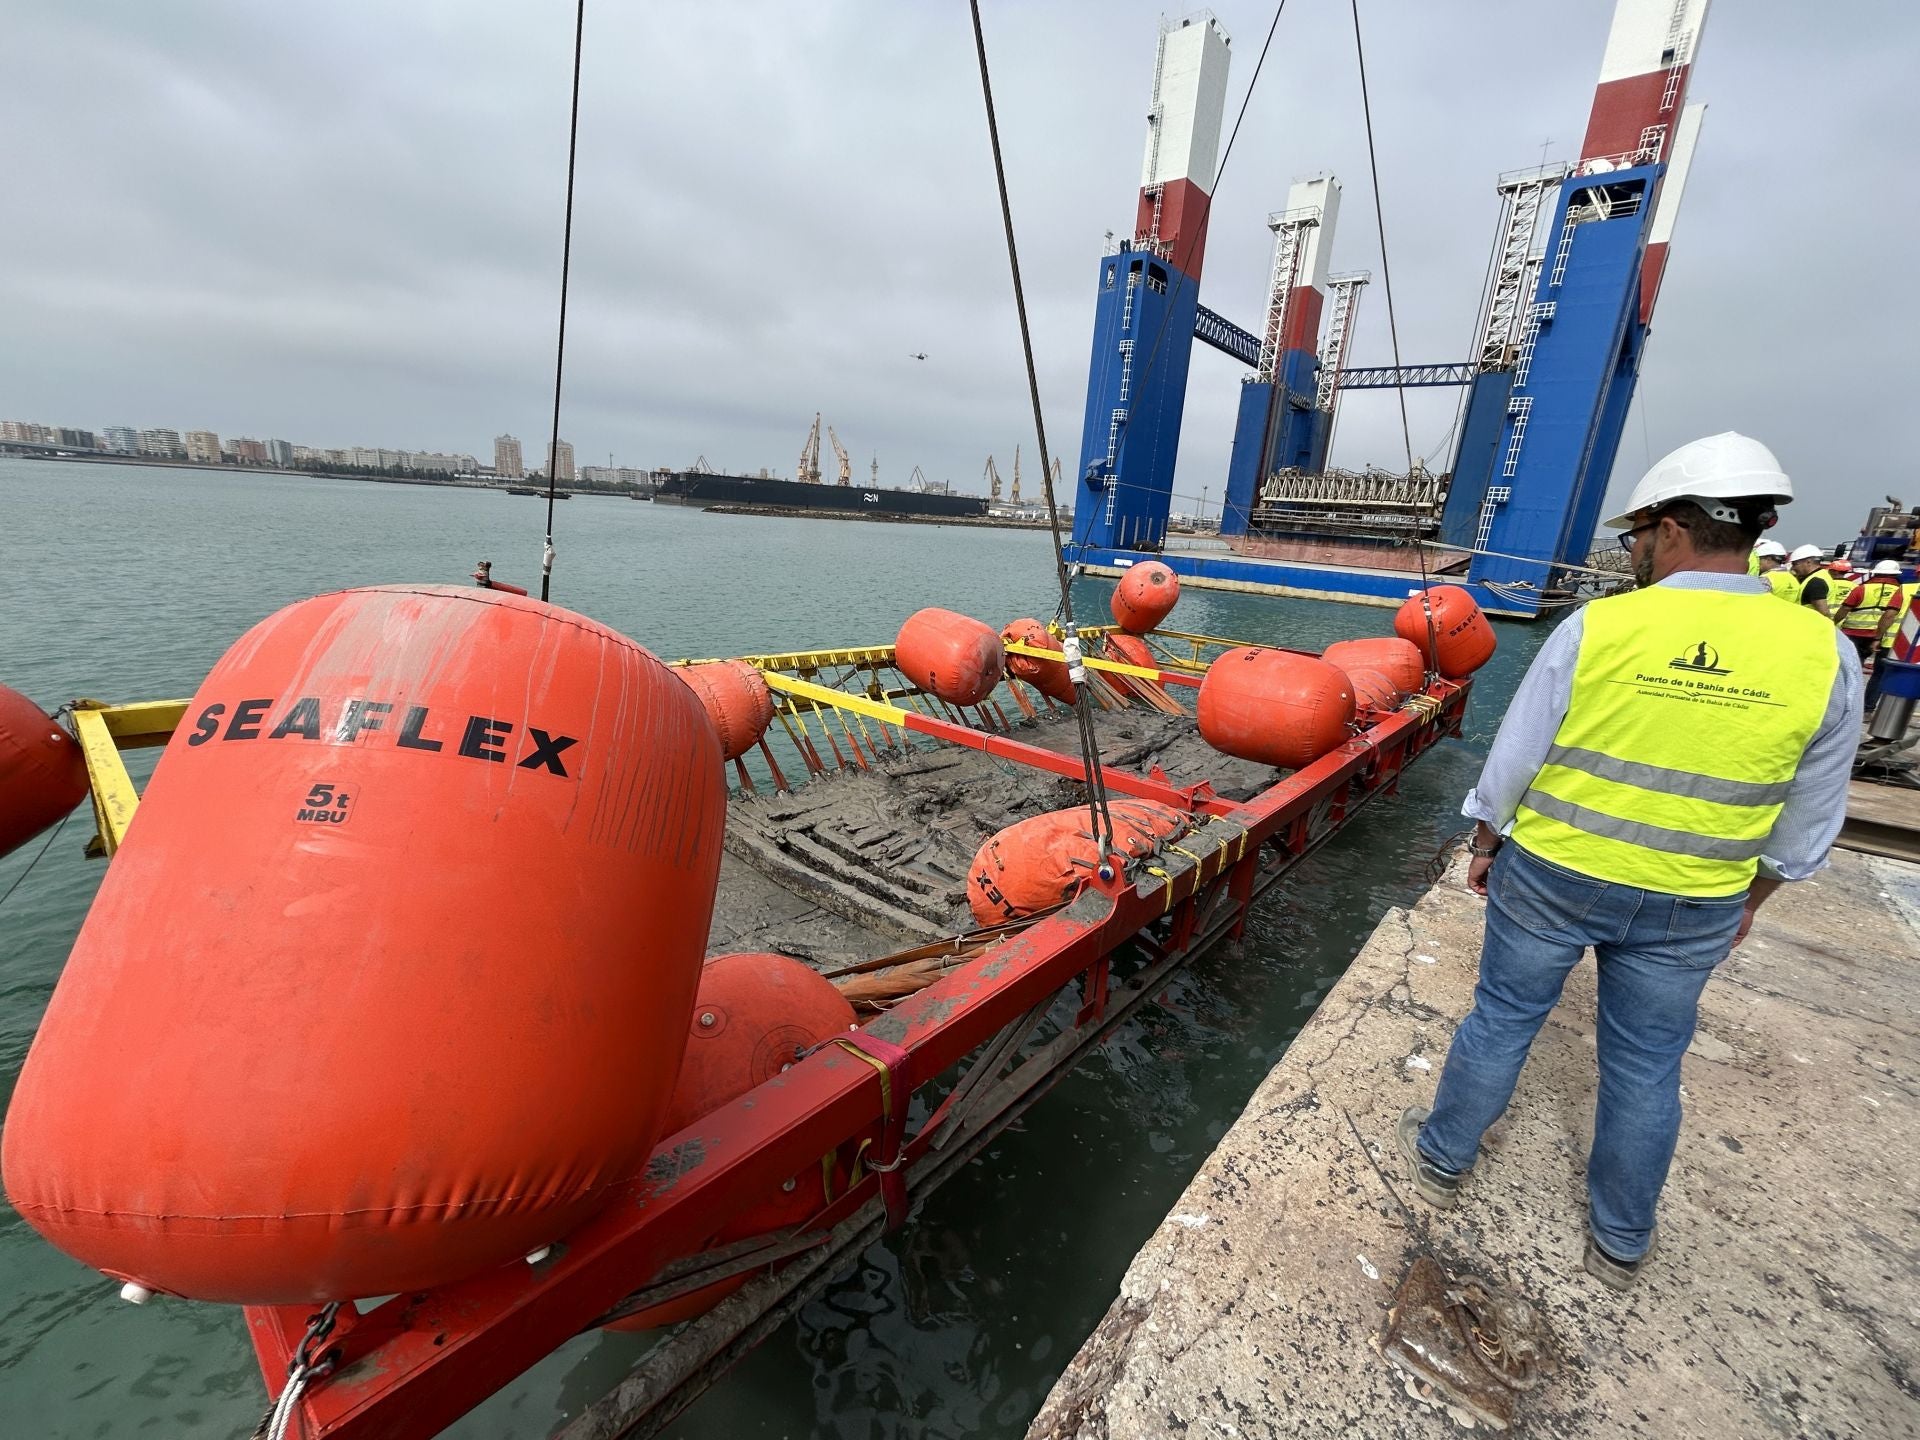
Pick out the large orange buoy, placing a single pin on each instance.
(1047, 676)
(1375, 691)
(737, 701)
(756, 1014)
(1274, 707)
(390, 981)
(43, 773)
(953, 656)
(1144, 596)
(1399, 660)
(1036, 863)
(1460, 639)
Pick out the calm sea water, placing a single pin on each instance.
(125, 583)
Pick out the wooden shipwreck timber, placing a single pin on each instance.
(859, 840)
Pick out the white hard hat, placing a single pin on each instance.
(1728, 466)
(1807, 552)
(1770, 548)
(1887, 567)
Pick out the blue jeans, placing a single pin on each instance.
(1655, 952)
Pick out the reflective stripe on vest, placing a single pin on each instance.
(1875, 597)
(1784, 583)
(1689, 713)
(1907, 594)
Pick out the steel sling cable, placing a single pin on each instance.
(1070, 640)
(566, 261)
(1393, 328)
(1206, 207)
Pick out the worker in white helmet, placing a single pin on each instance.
(1770, 560)
(1809, 564)
(1672, 756)
(1867, 613)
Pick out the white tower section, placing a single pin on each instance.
(1183, 139)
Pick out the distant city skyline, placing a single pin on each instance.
(205, 447)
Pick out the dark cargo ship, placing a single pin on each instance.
(695, 487)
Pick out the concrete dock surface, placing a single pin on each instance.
(1784, 1295)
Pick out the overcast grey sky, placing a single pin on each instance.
(340, 224)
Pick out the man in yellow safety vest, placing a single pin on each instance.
(1672, 756)
(1866, 605)
(1809, 563)
(1770, 557)
(1882, 601)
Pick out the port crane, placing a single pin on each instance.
(810, 454)
(1015, 496)
(840, 453)
(992, 476)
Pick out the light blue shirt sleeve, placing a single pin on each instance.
(1816, 803)
(1527, 729)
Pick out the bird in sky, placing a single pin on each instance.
(919, 355)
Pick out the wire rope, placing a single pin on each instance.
(566, 264)
(1393, 324)
(1082, 690)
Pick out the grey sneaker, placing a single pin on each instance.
(1612, 1273)
(1434, 1185)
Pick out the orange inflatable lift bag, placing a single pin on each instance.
(756, 1015)
(390, 981)
(1459, 640)
(1037, 863)
(43, 775)
(1049, 677)
(1144, 596)
(737, 701)
(1399, 660)
(953, 656)
(1274, 707)
(1374, 691)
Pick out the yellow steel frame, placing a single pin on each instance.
(104, 731)
(1114, 667)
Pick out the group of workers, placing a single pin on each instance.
(1867, 608)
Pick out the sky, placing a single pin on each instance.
(341, 224)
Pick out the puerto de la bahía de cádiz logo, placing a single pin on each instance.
(1700, 659)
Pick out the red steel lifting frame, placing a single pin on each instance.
(413, 1365)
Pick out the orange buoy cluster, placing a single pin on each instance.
(1144, 596)
(1037, 863)
(390, 982)
(43, 773)
(1049, 677)
(1274, 707)
(756, 1014)
(1449, 628)
(737, 700)
(955, 657)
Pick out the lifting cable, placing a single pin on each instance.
(1070, 638)
(566, 261)
(1393, 328)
